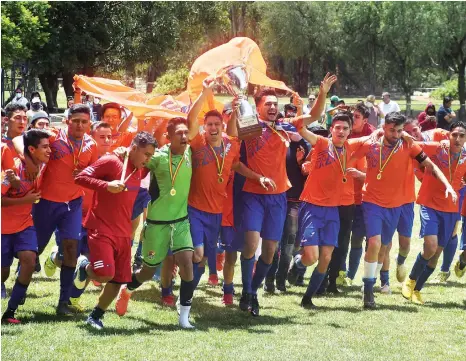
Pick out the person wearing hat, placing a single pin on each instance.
(333, 104)
(387, 106)
(40, 120)
(373, 110)
(35, 107)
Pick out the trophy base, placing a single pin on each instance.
(250, 132)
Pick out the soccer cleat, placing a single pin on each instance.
(97, 283)
(306, 302)
(168, 301)
(183, 320)
(121, 305)
(213, 280)
(293, 274)
(75, 304)
(95, 323)
(38, 268)
(385, 289)
(408, 288)
(245, 302)
(64, 310)
(49, 266)
(80, 274)
(442, 277)
(9, 317)
(332, 288)
(300, 281)
(269, 285)
(227, 299)
(348, 281)
(369, 301)
(220, 261)
(458, 271)
(3, 291)
(401, 272)
(281, 286)
(341, 279)
(254, 306)
(416, 298)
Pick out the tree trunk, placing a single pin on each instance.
(47, 86)
(150, 79)
(462, 90)
(408, 103)
(68, 84)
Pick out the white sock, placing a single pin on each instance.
(370, 269)
(377, 271)
(184, 317)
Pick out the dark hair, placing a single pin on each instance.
(143, 139)
(343, 117)
(13, 107)
(111, 106)
(263, 93)
(98, 125)
(173, 122)
(79, 108)
(213, 113)
(290, 107)
(447, 100)
(395, 118)
(456, 124)
(32, 138)
(411, 120)
(18, 88)
(361, 108)
(341, 101)
(35, 93)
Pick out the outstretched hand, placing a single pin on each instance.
(327, 83)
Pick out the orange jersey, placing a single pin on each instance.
(9, 143)
(227, 214)
(7, 158)
(388, 191)
(325, 186)
(122, 139)
(361, 165)
(435, 135)
(16, 218)
(207, 193)
(266, 155)
(432, 192)
(58, 183)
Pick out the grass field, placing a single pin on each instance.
(338, 330)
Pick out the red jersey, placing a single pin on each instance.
(17, 218)
(366, 130)
(58, 182)
(227, 214)
(9, 143)
(7, 159)
(110, 213)
(388, 191)
(432, 192)
(207, 193)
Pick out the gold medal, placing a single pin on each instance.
(341, 162)
(379, 176)
(219, 165)
(344, 179)
(220, 179)
(285, 141)
(37, 201)
(173, 192)
(287, 144)
(382, 166)
(173, 175)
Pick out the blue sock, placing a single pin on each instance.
(423, 278)
(384, 278)
(261, 271)
(17, 294)
(76, 292)
(197, 273)
(274, 266)
(400, 259)
(66, 281)
(418, 267)
(369, 284)
(354, 260)
(166, 291)
(449, 253)
(247, 267)
(212, 262)
(228, 288)
(314, 282)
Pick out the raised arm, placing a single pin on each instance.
(123, 127)
(319, 105)
(232, 127)
(196, 108)
(307, 135)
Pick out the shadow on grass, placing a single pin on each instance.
(443, 305)
(45, 279)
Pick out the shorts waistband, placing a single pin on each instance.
(167, 222)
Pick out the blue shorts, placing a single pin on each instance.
(26, 240)
(83, 248)
(405, 224)
(437, 223)
(66, 217)
(205, 228)
(264, 213)
(463, 235)
(141, 202)
(317, 225)
(380, 221)
(230, 239)
(359, 228)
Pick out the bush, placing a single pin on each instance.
(449, 88)
(172, 81)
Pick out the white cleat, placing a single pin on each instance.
(184, 317)
(401, 272)
(386, 290)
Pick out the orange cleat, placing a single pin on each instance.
(213, 280)
(227, 299)
(122, 301)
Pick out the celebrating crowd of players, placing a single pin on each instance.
(290, 190)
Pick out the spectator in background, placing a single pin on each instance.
(35, 106)
(373, 110)
(428, 118)
(333, 104)
(4, 122)
(36, 94)
(445, 115)
(387, 106)
(19, 98)
(96, 110)
(40, 120)
(307, 108)
(69, 104)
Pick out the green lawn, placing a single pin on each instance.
(339, 330)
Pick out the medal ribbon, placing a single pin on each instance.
(219, 166)
(342, 163)
(173, 176)
(281, 136)
(449, 164)
(75, 159)
(382, 167)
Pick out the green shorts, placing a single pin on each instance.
(159, 238)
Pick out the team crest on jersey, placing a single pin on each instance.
(150, 255)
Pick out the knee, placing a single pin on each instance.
(103, 279)
(231, 257)
(198, 254)
(70, 249)
(28, 262)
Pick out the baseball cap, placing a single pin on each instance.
(334, 98)
(385, 93)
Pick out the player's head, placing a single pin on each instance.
(17, 119)
(36, 145)
(360, 116)
(412, 128)
(111, 114)
(393, 127)
(40, 120)
(101, 132)
(177, 134)
(142, 149)
(213, 126)
(457, 135)
(341, 127)
(267, 104)
(79, 120)
(290, 110)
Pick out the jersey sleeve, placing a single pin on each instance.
(358, 147)
(92, 176)
(429, 148)
(7, 158)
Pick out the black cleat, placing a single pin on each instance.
(254, 306)
(306, 303)
(369, 301)
(300, 281)
(38, 267)
(281, 286)
(64, 310)
(269, 285)
(245, 302)
(293, 274)
(332, 288)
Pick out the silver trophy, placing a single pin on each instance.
(235, 80)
